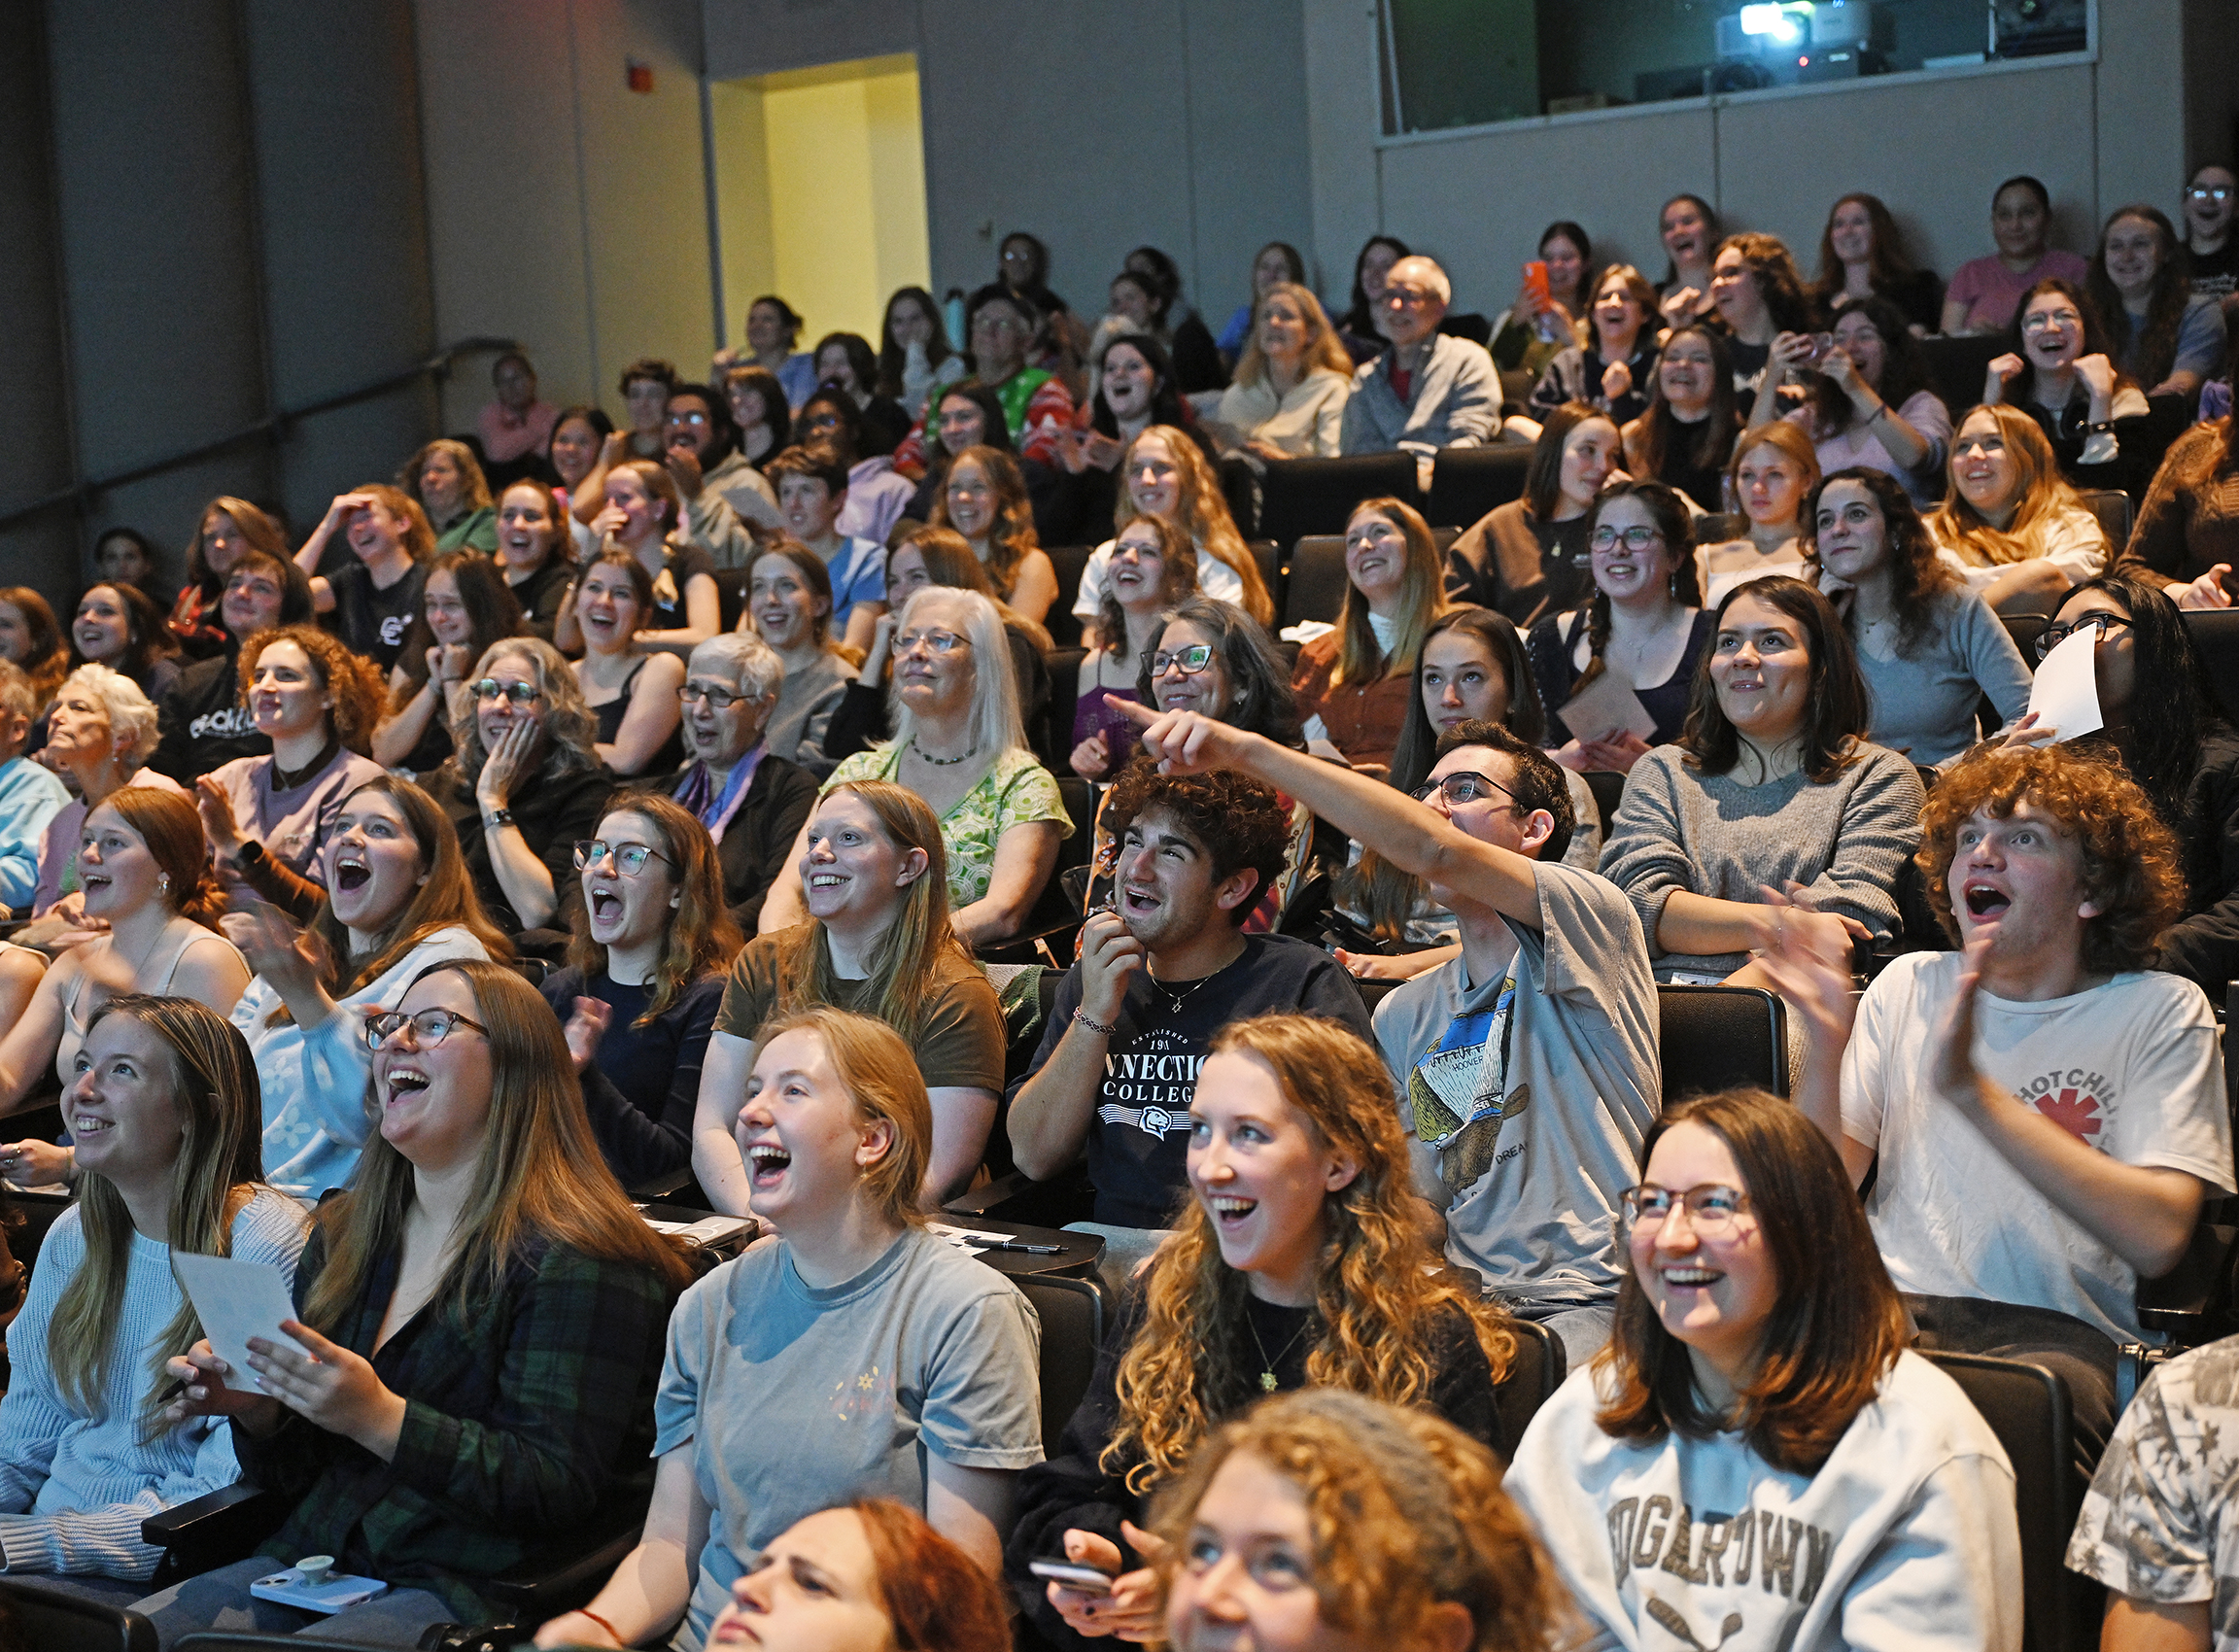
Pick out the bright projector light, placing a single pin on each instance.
(1776, 21)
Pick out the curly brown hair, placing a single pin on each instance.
(1242, 822)
(1407, 1514)
(354, 682)
(2132, 871)
(1376, 1311)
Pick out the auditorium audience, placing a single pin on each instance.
(228, 526)
(1986, 294)
(875, 939)
(100, 734)
(751, 801)
(652, 944)
(2011, 523)
(641, 516)
(129, 556)
(702, 442)
(397, 903)
(1865, 398)
(1134, 1019)
(472, 1373)
(1299, 1262)
(1135, 389)
(2166, 336)
(1001, 328)
(32, 642)
(1930, 648)
(1166, 475)
(267, 817)
(859, 1355)
(963, 415)
(524, 786)
(789, 607)
(1759, 294)
(163, 1104)
(1612, 373)
(147, 924)
(1353, 681)
(205, 721)
(1197, 364)
(844, 362)
(984, 500)
(1393, 1521)
(958, 743)
(1757, 1364)
(446, 480)
(1689, 229)
(764, 421)
(629, 690)
(1430, 389)
(1528, 558)
(1643, 625)
(373, 595)
(31, 795)
(2058, 371)
(1694, 415)
(2187, 539)
(1152, 567)
(1774, 785)
(116, 625)
(1862, 255)
(1549, 953)
(645, 383)
(1286, 400)
(2043, 1077)
(576, 454)
(773, 329)
(915, 356)
(1772, 474)
(469, 603)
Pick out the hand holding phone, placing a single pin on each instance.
(1081, 1579)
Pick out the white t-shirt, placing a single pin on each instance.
(1215, 578)
(2130, 1067)
(1904, 1539)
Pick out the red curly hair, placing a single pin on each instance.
(2131, 869)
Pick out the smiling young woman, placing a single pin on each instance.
(1353, 683)
(1299, 1262)
(1759, 1363)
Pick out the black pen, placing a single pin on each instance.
(1020, 1245)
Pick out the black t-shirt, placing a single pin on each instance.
(539, 596)
(684, 564)
(1139, 1141)
(2216, 274)
(372, 621)
(204, 722)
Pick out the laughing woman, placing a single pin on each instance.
(163, 1107)
(631, 692)
(858, 1356)
(467, 603)
(1299, 1263)
(398, 902)
(652, 948)
(471, 1377)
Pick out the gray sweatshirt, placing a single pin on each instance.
(1453, 400)
(1924, 706)
(1679, 828)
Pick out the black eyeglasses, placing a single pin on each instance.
(2100, 623)
(1463, 786)
(722, 698)
(1633, 538)
(1187, 661)
(517, 693)
(430, 1027)
(629, 858)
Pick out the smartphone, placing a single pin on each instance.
(1086, 1579)
(1535, 283)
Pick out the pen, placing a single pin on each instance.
(1022, 1246)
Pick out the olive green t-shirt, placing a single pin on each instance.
(961, 1047)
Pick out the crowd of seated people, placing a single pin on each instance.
(693, 804)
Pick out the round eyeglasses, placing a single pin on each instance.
(430, 1027)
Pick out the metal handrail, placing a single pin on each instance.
(273, 426)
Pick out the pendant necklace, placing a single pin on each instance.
(1267, 1384)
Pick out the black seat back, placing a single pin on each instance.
(1715, 1038)
(1957, 367)
(1314, 583)
(1467, 482)
(1061, 622)
(1532, 1380)
(1298, 497)
(2111, 506)
(1071, 1314)
(2027, 1408)
(56, 1621)
(1609, 789)
(2216, 640)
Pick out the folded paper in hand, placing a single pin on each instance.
(235, 1300)
(2065, 695)
(1605, 707)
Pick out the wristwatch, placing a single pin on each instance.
(498, 817)
(250, 854)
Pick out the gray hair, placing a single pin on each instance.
(15, 697)
(570, 727)
(996, 727)
(743, 657)
(132, 722)
(1427, 271)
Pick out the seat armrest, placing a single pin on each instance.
(655, 1190)
(2182, 1301)
(541, 1589)
(213, 1531)
(982, 1201)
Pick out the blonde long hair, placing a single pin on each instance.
(1423, 594)
(1375, 1307)
(1322, 349)
(1965, 532)
(539, 1176)
(1198, 507)
(215, 1091)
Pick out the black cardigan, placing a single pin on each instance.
(758, 844)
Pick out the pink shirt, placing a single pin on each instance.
(1992, 293)
(508, 435)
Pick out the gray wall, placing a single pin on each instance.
(220, 213)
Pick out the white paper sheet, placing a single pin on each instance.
(235, 1302)
(2065, 695)
(1604, 706)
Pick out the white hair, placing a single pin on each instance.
(744, 658)
(132, 721)
(1427, 271)
(995, 724)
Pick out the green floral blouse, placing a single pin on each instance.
(1016, 791)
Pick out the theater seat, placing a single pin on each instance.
(1314, 583)
(1467, 482)
(1299, 497)
(1061, 622)
(1532, 1380)
(2216, 638)
(54, 1620)
(1715, 1038)
(2111, 506)
(1073, 1316)
(2027, 1408)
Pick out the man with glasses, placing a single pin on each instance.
(752, 802)
(1161, 970)
(2208, 200)
(1000, 330)
(1527, 1068)
(1428, 390)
